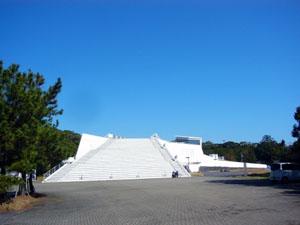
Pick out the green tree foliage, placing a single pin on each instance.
(24, 108)
(69, 144)
(296, 128)
(54, 146)
(6, 182)
(248, 152)
(295, 149)
(268, 150)
(231, 150)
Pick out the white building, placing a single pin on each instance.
(188, 151)
(117, 158)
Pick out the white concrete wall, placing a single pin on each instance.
(87, 143)
(197, 158)
(194, 168)
(210, 162)
(182, 150)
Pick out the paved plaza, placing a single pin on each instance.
(196, 200)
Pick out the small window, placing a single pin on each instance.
(287, 166)
(275, 167)
(295, 167)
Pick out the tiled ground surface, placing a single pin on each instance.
(197, 200)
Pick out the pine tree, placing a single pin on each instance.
(296, 134)
(24, 108)
(296, 128)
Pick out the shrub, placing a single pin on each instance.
(6, 182)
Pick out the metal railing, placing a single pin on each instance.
(175, 164)
(55, 168)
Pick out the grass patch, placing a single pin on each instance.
(251, 171)
(39, 179)
(20, 203)
(255, 176)
(198, 174)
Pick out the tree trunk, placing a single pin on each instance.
(2, 197)
(3, 170)
(22, 189)
(31, 187)
(2, 194)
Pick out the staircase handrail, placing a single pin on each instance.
(62, 163)
(168, 153)
(55, 168)
(159, 148)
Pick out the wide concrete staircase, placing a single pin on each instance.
(175, 164)
(119, 159)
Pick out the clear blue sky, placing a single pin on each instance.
(223, 71)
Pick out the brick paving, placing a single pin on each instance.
(197, 200)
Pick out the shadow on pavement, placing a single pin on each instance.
(292, 188)
(222, 174)
(38, 195)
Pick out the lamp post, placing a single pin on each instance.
(188, 158)
(245, 166)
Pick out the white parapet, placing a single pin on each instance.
(207, 161)
(87, 143)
